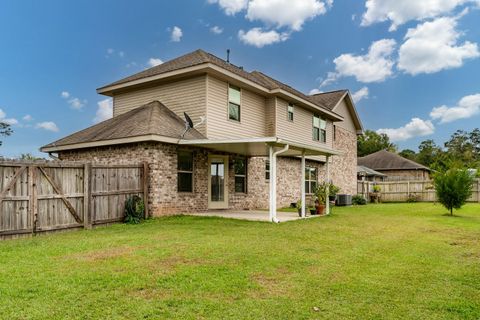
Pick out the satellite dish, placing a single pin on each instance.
(188, 121)
(188, 124)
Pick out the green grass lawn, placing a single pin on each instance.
(403, 261)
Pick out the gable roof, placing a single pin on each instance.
(200, 57)
(150, 120)
(385, 160)
(332, 99)
(329, 99)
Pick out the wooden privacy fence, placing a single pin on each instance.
(401, 191)
(38, 197)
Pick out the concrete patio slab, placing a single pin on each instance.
(252, 215)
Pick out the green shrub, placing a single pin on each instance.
(359, 200)
(134, 210)
(413, 197)
(377, 188)
(453, 188)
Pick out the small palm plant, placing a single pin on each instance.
(134, 210)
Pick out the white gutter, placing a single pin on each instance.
(273, 181)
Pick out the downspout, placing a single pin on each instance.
(273, 182)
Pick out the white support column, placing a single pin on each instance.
(327, 178)
(273, 198)
(302, 187)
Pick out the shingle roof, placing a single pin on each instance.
(384, 160)
(369, 172)
(199, 57)
(329, 99)
(150, 119)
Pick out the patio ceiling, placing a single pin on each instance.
(260, 146)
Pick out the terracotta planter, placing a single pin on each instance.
(320, 209)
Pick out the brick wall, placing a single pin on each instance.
(162, 160)
(343, 169)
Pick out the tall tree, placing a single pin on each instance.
(5, 130)
(428, 152)
(462, 146)
(371, 142)
(408, 154)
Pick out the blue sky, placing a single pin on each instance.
(404, 60)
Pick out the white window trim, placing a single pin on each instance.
(228, 104)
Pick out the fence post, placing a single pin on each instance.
(145, 188)
(32, 199)
(408, 189)
(478, 190)
(87, 196)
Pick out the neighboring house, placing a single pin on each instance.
(367, 174)
(394, 166)
(255, 138)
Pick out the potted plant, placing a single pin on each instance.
(375, 195)
(299, 207)
(321, 197)
(332, 192)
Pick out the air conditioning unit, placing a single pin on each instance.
(344, 200)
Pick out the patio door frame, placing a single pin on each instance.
(218, 204)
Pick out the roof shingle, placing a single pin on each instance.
(384, 160)
(153, 118)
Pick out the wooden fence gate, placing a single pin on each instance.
(39, 197)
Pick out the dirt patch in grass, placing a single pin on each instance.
(275, 284)
(104, 254)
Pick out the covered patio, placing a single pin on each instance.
(271, 147)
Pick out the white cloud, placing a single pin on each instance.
(415, 128)
(104, 111)
(231, 7)
(4, 119)
(10, 121)
(285, 13)
(75, 103)
(467, 107)
(152, 62)
(110, 51)
(360, 94)
(399, 12)
(47, 125)
(375, 66)
(315, 91)
(216, 30)
(27, 118)
(176, 34)
(121, 54)
(259, 38)
(433, 46)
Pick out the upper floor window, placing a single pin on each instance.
(290, 112)
(233, 103)
(240, 166)
(319, 129)
(185, 171)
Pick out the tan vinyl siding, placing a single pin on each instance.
(181, 96)
(347, 123)
(270, 116)
(300, 130)
(252, 113)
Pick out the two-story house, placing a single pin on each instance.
(257, 143)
